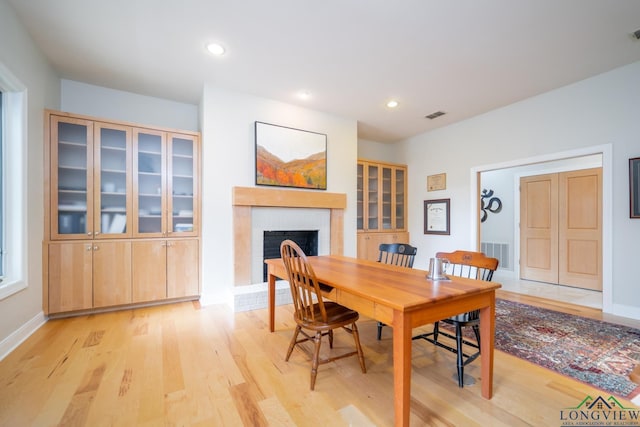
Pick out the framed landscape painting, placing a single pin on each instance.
(288, 157)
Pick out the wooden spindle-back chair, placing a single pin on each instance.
(312, 312)
(401, 254)
(472, 265)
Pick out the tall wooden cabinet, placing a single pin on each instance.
(111, 188)
(381, 206)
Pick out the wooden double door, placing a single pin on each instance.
(561, 228)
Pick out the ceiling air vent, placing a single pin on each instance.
(435, 115)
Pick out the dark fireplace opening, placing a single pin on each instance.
(306, 239)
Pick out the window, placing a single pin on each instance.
(13, 201)
(2, 180)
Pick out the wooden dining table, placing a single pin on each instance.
(403, 298)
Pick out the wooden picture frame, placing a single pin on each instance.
(288, 157)
(634, 187)
(437, 182)
(437, 216)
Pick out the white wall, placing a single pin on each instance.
(229, 159)
(22, 311)
(105, 103)
(372, 150)
(594, 112)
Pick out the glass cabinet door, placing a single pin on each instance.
(400, 186)
(360, 197)
(112, 159)
(71, 178)
(372, 197)
(149, 170)
(386, 198)
(182, 184)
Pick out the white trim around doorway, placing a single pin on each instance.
(607, 206)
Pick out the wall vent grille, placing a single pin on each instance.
(435, 115)
(498, 250)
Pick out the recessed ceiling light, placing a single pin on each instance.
(304, 94)
(392, 104)
(215, 49)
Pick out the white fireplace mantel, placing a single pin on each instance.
(246, 198)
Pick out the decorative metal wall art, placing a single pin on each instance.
(494, 205)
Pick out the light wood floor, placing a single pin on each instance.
(183, 365)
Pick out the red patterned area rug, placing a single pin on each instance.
(598, 353)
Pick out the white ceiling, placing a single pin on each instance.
(464, 57)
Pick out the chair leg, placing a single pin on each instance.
(460, 355)
(476, 331)
(316, 359)
(293, 343)
(356, 337)
(330, 333)
(436, 331)
(380, 325)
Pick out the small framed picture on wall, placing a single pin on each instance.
(436, 216)
(634, 187)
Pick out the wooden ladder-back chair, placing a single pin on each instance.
(401, 254)
(312, 312)
(472, 265)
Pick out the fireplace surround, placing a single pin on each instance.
(248, 296)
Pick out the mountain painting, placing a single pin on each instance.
(287, 157)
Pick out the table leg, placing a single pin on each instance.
(401, 368)
(271, 290)
(487, 338)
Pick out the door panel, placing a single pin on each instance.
(70, 276)
(111, 273)
(182, 268)
(149, 265)
(561, 228)
(539, 228)
(580, 233)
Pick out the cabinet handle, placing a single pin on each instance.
(96, 247)
(88, 248)
(97, 232)
(89, 233)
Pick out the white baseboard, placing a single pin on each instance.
(503, 275)
(225, 298)
(17, 337)
(626, 311)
